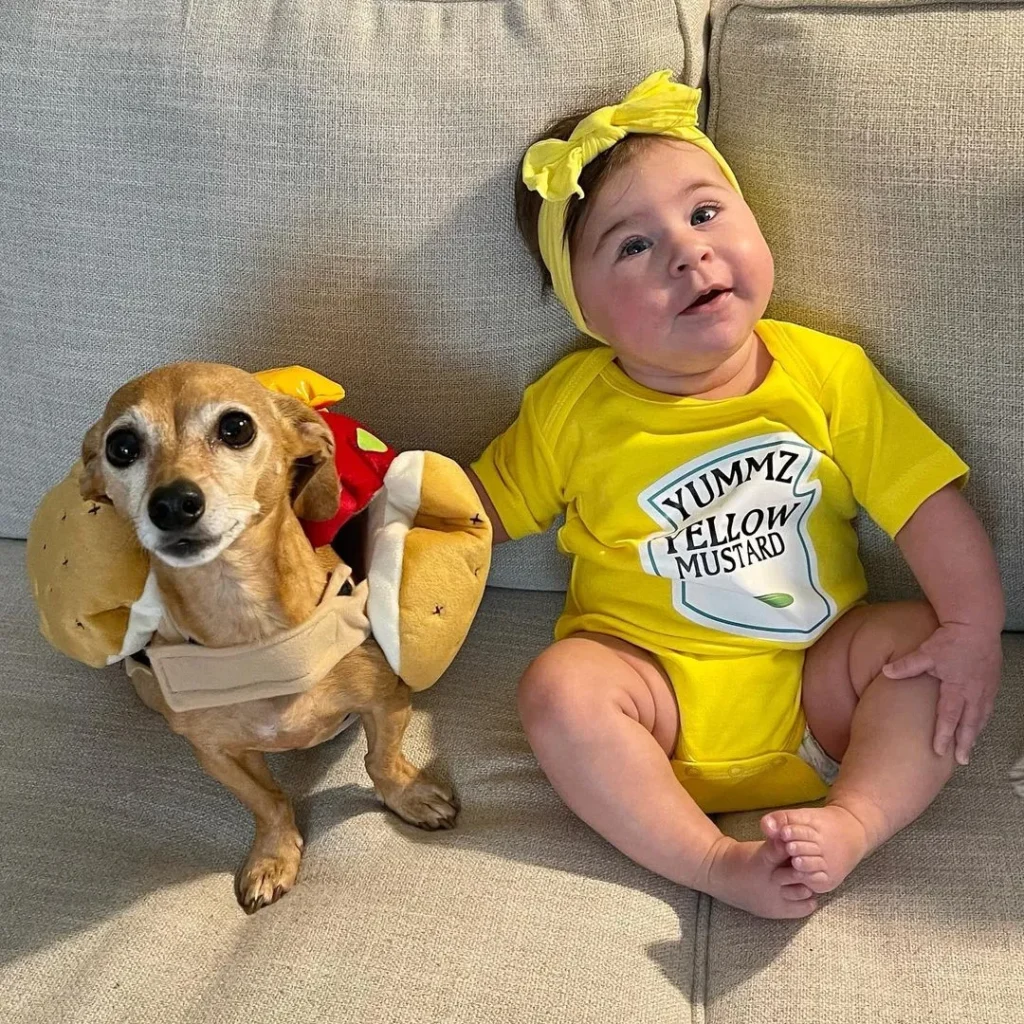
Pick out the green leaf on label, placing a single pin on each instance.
(368, 443)
(776, 600)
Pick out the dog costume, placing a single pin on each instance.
(428, 555)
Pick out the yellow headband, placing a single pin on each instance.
(657, 106)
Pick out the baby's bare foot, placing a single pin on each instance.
(740, 874)
(822, 844)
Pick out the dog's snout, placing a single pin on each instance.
(176, 505)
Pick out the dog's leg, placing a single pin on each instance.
(273, 862)
(409, 792)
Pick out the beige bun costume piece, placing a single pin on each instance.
(428, 555)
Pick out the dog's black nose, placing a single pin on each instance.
(176, 505)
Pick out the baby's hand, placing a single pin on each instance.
(967, 661)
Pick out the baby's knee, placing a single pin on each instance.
(906, 625)
(891, 631)
(553, 687)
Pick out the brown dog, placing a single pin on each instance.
(213, 471)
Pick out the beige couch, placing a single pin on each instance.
(329, 182)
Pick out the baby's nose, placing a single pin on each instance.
(689, 252)
(176, 505)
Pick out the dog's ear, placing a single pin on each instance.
(310, 446)
(90, 483)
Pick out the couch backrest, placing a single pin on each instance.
(262, 183)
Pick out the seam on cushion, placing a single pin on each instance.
(701, 959)
(685, 30)
(716, 29)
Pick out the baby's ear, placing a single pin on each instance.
(309, 444)
(91, 483)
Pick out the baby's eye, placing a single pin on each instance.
(633, 246)
(703, 214)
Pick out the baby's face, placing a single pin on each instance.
(663, 230)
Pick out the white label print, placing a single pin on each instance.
(734, 541)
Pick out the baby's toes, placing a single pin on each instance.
(776, 849)
(774, 824)
(788, 875)
(789, 880)
(800, 833)
(793, 893)
(803, 849)
(809, 864)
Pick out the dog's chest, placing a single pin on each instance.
(222, 616)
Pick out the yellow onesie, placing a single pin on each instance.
(718, 535)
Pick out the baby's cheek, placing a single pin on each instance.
(624, 302)
(757, 261)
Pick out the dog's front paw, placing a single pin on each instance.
(1017, 777)
(424, 803)
(269, 872)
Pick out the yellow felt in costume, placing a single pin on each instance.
(428, 559)
(306, 385)
(86, 570)
(97, 602)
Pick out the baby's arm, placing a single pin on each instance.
(950, 554)
(498, 532)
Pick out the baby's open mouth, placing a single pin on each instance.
(708, 298)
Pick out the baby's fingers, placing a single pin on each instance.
(967, 732)
(971, 724)
(947, 717)
(914, 664)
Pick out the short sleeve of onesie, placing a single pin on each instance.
(892, 458)
(518, 469)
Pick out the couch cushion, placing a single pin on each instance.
(118, 852)
(263, 183)
(881, 146)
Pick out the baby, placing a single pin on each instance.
(716, 651)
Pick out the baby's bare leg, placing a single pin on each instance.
(602, 720)
(881, 728)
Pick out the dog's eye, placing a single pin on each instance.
(236, 429)
(123, 448)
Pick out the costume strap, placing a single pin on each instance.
(193, 677)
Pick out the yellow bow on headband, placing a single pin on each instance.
(551, 167)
